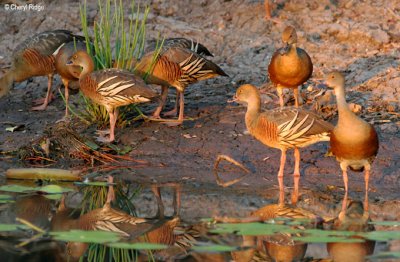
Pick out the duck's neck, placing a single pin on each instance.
(293, 48)
(87, 68)
(346, 116)
(253, 110)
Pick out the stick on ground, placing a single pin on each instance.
(220, 182)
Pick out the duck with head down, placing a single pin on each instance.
(36, 57)
(110, 88)
(178, 67)
(66, 72)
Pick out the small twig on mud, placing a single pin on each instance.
(40, 158)
(233, 161)
(237, 220)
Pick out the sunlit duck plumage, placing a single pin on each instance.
(111, 88)
(282, 128)
(177, 67)
(66, 72)
(290, 66)
(178, 42)
(36, 57)
(353, 141)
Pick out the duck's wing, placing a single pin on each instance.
(122, 87)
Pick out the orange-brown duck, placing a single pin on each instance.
(68, 73)
(110, 88)
(179, 42)
(353, 141)
(283, 129)
(355, 219)
(36, 57)
(290, 66)
(177, 67)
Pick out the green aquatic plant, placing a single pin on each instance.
(213, 248)
(4, 199)
(385, 255)
(138, 246)
(307, 235)
(252, 229)
(86, 236)
(11, 227)
(48, 189)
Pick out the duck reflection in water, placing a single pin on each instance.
(160, 230)
(33, 209)
(353, 218)
(280, 246)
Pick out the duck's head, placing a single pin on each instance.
(289, 35)
(246, 93)
(81, 59)
(334, 79)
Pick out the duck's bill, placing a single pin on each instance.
(285, 49)
(232, 100)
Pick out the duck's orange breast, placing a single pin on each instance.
(291, 69)
(356, 149)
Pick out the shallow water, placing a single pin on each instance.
(214, 225)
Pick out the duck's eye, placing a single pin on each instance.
(75, 57)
